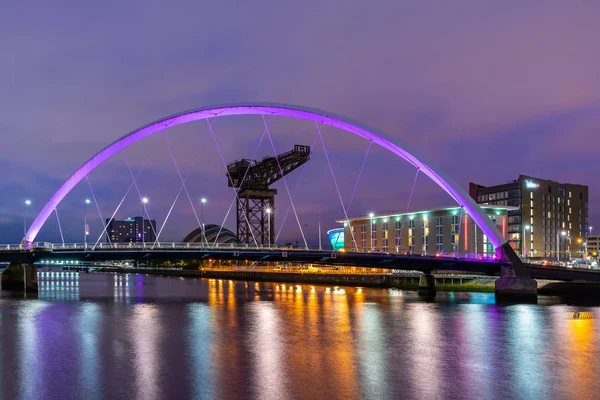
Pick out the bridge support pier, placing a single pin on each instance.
(19, 277)
(427, 285)
(514, 285)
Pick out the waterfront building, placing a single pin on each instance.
(336, 238)
(550, 219)
(129, 230)
(442, 230)
(213, 234)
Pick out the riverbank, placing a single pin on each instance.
(444, 283)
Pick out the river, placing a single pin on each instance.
(106, 336)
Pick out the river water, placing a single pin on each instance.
(105, 336)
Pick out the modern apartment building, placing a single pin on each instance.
(550, 219)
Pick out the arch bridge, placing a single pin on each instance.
(515, 278)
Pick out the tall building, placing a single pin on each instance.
(441, 230)
(130, 230)
(551, 219)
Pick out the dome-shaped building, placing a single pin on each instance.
(212, 230)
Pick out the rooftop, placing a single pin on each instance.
(456, 209)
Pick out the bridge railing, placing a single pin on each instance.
(182, 246)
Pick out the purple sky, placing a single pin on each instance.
(488, 90)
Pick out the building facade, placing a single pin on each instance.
(550, 219)
(442, 230)
(130, 230)
(593, 245)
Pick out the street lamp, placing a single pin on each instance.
(144, 202)
(202, 202)
(562, 233)
(371, 216)
(268, 211)
(524, 253)
(25, 205)
(85, 225)
(587, 239)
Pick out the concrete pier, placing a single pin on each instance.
(514, 285)
(20, 277)
(427, 285)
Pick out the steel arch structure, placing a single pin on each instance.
(284, 110)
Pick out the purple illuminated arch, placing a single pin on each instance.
(285, 110)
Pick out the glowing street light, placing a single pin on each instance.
(202, 203)
(144, 202)
(86, 230)
(26, 204)
(269, 211)
(562, 233)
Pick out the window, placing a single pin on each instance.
(398, 229)
(373, 234)
(385, 237)
(454, 232)
(363, 237)
(439, 234)
(411, 234)
(425, 233)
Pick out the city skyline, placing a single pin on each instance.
(503, 102)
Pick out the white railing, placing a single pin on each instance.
(233, 246)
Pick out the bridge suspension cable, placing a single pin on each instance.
(181, 179)
(145, 213)
(412, 191)
(62, 238)
(210, 127)
(289, 206)
(362, 166)
(318, 124)
(131, 185)
(193, 164)
(287, 189)
(104, 224)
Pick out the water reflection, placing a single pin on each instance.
(119, 336)
(87, 326)
(200, 341)
(425, 350)
(28, 340)
(146, 330)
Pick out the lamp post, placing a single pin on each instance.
(525, 229)
(25, 205)
(371, 216)
(587, 239)
(85, 226)
(562, 233)
(269, 210)
(144, 202)
(202, 202)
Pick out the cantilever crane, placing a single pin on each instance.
(255, 200)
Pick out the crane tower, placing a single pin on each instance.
(255, 199)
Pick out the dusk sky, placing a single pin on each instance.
(486, 90)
